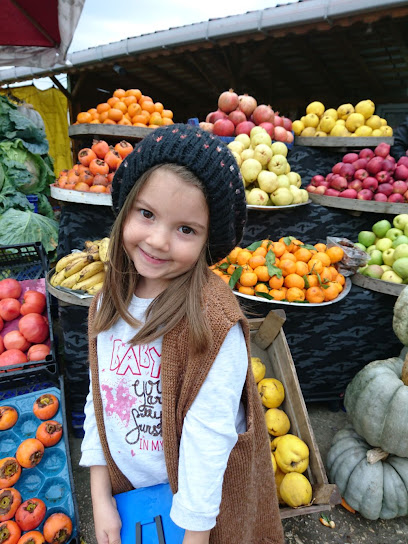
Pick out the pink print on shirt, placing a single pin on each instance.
(134, 394)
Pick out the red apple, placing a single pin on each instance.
(403, 161)
(388, 166)
(348, 193)
(339, 183)
(316, 180)
(336, 168)
(380, 197)
(331, 192)
(320, 190)
(400, 186)
(355, 184)
(370, 183)
(361, 174)
(365, 194)
(385, 188)
(382, 176)
(350, 157)
(324, 183)
(401, 172)
(396, 197)
(360, 163)
(347, 171)
(366, 153)
(329, 176)
(382, 150)
(374, 165)
(311, 188)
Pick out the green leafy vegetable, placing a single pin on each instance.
(22, 227)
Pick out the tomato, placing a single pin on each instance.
(30, 514)
(15, 340)
(58, 528)
(9, 309)
(34, 327)
(34, 302)
(10, 500)
(10, 288)
(12, 357)
(10, 532)
(38, 352)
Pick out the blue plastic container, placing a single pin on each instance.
(33, 199)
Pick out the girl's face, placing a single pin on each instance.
(165, 231)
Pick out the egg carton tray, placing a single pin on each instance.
(51, 480)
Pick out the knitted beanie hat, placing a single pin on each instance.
(206, 156)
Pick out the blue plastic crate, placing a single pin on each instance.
(51, 480)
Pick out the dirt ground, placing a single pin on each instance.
(350, 528)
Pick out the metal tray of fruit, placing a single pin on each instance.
(381, 286)
(108, 131)
(343, 141)
(342, 295)
(355, 204)
(274, 208)
(77, 298)
(81, 197)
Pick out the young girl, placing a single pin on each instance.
(172, 397)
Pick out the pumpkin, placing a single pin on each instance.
(370, 481)
(376, 401)
(400, 317)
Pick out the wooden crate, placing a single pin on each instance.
(268, 342)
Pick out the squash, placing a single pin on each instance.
(376, 401)
(400, 317)
(370, 481)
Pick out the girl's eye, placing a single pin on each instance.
(146, 214)
(186, 230)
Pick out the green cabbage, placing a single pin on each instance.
(26, 227)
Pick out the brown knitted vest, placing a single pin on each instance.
(249, 511)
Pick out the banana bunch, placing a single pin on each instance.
(83, 270)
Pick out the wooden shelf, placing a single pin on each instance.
(381, 286)
(81, 197)
(353, 204)
(343, 142)
(108, 131)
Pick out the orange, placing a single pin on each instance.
(218, 272)
(294, 280)
(339, 286)
(225, 278)
(243, 257)
(133, 92)
(256, 260)
(335, 254)
(303, 254)
(84, 117)
(128, 100)
(125, 121)
(288, 255)
(301, 268)
(231, 269)
(234, 254)
(155, 119)
(167, 113)
(315, 265)
(134, 109)
(340, 278)
(147, 105)
(260, 251)
(158, 106)
(277, 294)
(119, 93)
(333, 272)
(139, 120)
(121, 106)
(112, 100)
(167, 121)
(287, 267)
(295, 294)
(330, 292)
(246, 290)
(262, 273)
(315, 294)
(103, 116)
(296, 245)
(275, 282)
(322, 257)
(115, 114)
(248, 279)
(104, 106)
(320, 247)
(266, 243)
(289, 247)
(109, 122)
(278, 248)
(261, 288)
(312, 280)
(325, 275)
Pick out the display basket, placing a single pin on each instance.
(52, 479)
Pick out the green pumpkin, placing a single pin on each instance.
(376, 401)
(376, 489)
(400, 317)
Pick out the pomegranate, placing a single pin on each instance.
(224, 127)
(383, 177)
(244, 128)
(339, 183)
(403, 161)
(263, 114)
(388, 165)
(278, 121)
(289, 137)
(287, 123)
(280, 134)
(237, 117)
(385, 188)
(270, 129)
(247, 104)
(228, 101)
(214, 116)
(206, 126)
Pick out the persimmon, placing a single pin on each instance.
(278, 248)
(93, 122)
(97, 189)
(139, 121)
(49, 433)
(123, 148)
(84, 117)
(86, 177)
(86, 155)
(100, 148)
(57, 528)
(10, 532)
(261, 288)
(110, 177)
(73, 176)
(32, 537)
(10, 500)
(8, 417)
(301, 268)
(70, 186)
(92, 111)
(81, 186)
(112, 159)
(330, 291)
(10, 472)
(46, 406)
(100, 179)
(98, 166)
(30, 452)
(62, 181)
(30, 514)
(294, 280)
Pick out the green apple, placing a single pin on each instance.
(400, 266)
(360, 246)
(385, 267)
(400, 221)
(390, 275)
(375, 257)
(374, 271)
(402, 239)
(370, 249)
(388, 256)
(401, 251)
(383, 243)
(381, 227)
(366, 237)
(393, 233)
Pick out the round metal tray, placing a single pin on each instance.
(81, 197)
(381, 286)
(67, 295)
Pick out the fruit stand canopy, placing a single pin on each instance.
(37, 33)
(334, 51)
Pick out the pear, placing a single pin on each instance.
(261, 138)
(277, 164)
(282, 197)
(294, 179)
(250, 169)
(366, 108)
(237, 158)
(283, 181)
(256, 130)
(257, 197)
(297, 195)
(263, 153)
(247, 154)
(244, 139)
(279, 148)
(236, 146)
(267, 181)
(305, 195)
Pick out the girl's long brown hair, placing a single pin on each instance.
(182, 298)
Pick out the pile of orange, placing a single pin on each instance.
(130, 108)
(286, 270)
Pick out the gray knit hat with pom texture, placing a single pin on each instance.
(210, 160)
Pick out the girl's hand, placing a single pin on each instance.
(196, 537)
(107, 522)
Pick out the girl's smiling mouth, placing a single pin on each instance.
(150, 258)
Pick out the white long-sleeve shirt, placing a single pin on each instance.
(131, 397)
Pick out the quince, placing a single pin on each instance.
(297, 127)
(311, 120)
(374, 122)
(279, 475)
(295, 490)
(383, 122)
(366, 108)
(377, 132)
(258, 369)
(277, 422)
(345, 110)
(272, 392)
(315, 107)
(364, 130)
(274, 465)
(341, 122)
(331, 112)
(354, 120)
(386, 130)
(339, 130)
(327, 123)
(308, 131)
(320, 134)
(291, 453)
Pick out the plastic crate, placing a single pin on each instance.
(52, 479)
(23, 262)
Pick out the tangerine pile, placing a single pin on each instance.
(129, 107)
(286, 270)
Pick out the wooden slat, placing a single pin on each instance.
(343, 141)
(380, 286)
(355, 204)
(108, 131)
